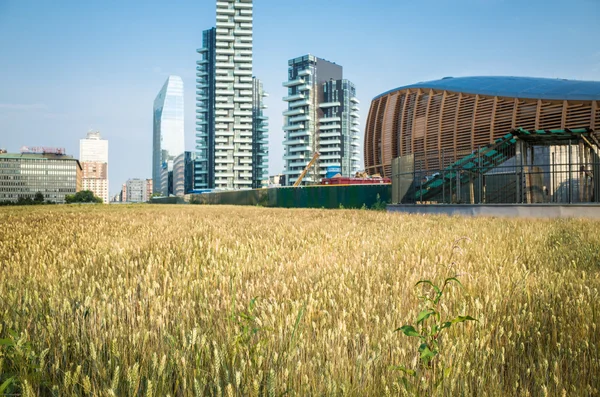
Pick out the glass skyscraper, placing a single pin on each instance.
(227, 136)
(168, 141)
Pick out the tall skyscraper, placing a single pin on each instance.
(93, 156)
(168, 127)
(260, 137)
(204, 170)
(322, 116)
(225, 124)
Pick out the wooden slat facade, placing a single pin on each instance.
(429, 122)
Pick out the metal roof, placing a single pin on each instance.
(514, 87)
(35, 156)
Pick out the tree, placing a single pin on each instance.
(84, 196)
(38, 198)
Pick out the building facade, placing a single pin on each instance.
(204, 170)
(168, 132)
(149, 188)
(166, 179)
(183, 173)
(93, 155)
(260, 136)
(322, 116)
(225, 124)
(438, 121)
(23, 175)
(136, 191)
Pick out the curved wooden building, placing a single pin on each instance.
(454, 115)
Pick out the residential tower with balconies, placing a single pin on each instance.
(322, 116)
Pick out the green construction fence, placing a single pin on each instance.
(347, 196)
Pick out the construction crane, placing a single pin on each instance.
(303, 174)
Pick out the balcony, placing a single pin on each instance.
(292, 98)
(299, 118)
(299, 104)
(223, 24)
(355, 129)
(355, 100)
(330, 142)
(330, 134)
(330, 127)
(304, 72)
(294, 157)
(224, 11)
(330, 150)
(294, 127)
(295, 149)
(329, 119)
(325, 105)
(225, 65)
(243, 59)
(242, 72)
(294, 112)
(242, 46)
(240, 18)
(298, 134)
(293, 142)
(242, 6)
(242, 32)
(292, 83)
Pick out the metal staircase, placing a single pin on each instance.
(486, 158)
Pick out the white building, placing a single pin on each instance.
(233, 95)
(136, 191)
(168, 132)
(93, 156)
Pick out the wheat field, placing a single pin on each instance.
(242, 301)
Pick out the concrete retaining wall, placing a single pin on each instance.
(505, 210)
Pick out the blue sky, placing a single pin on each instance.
(69, 66)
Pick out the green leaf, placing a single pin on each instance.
(424, 315)
(409, 330)
(5, 385)
(462, 319)
(448, 280)
(6, 342)
(403, 369)
(447, 372)
(435, 287)
(426, 354)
